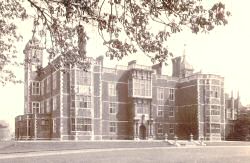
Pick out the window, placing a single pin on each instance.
(80, 82)
(112, 89)
(112, 108)
(48, 106)
(141, 87)
(160, 111)
(35, 88)
(84, 78)
(148, 88)
(81, 101)
(215, 112)
(207, 100)
(112, 127)
(42, 87)
(42, 107)
(136, 87)
(160, 93)
(171, 128)
(84, 124)
(171, 94)
(83, 112)
(216, 92)
(215, 82)
(229, 113)
(171, 111)
(83, 89)
(139, 108)
(142, 108)
(54, 80)
(48, 84)
(54, 103)
(45, 124)
(85, 102)
(54, 125)
(215, 128)
(160, 129)
(35, 107)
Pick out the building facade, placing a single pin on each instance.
(125, 102)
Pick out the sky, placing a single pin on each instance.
(224, 51)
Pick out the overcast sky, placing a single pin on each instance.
(225, 51)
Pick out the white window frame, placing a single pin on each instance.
(54, 125)
(160, 129)
(112, 108)
(54, 80)
(48, 84)
(112, 127)
(48, 108)
(171, 94)
(42, 87)
(54, 100)
(35, 88)
(35, 107)
(85, 124)
(160, 93)
(160, 111)
(42, 107)
(171, 128)
(112, 89)
(171, 111)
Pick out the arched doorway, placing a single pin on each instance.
(142, 132)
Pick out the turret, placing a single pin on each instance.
(33, 59)
(33, 54)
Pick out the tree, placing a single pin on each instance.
(4, 131)
(241, 129)
(125, 26)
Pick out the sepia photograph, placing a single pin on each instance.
(128, 81)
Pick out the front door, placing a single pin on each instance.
(142, 132)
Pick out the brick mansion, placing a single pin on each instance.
(125, 102)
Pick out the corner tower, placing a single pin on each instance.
(33, 60)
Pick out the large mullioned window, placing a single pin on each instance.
(141, 83)
(81, 101)
(81, 104)
(141, 87)
(81, 124)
